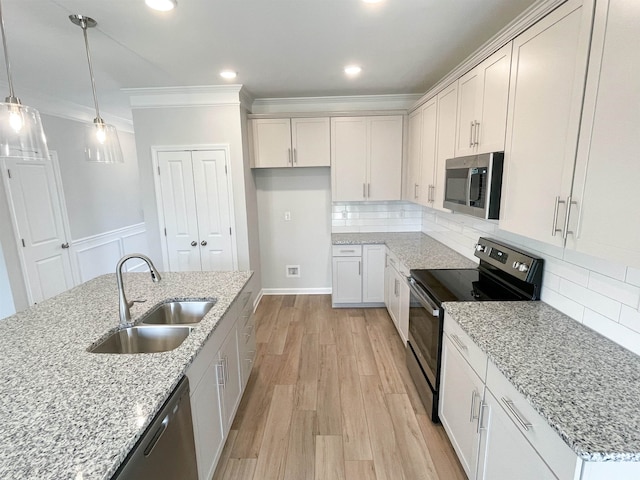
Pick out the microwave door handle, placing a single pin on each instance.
(468, 199)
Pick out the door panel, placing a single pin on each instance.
(310, 139)
(446, 141)
(36, 204)
(349, 158)
(429, 130)
(385, 165)
(468, 95)
(180, 210)
(214, 218)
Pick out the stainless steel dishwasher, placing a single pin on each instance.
(166, 450)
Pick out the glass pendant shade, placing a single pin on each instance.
(21, 133)
(102, 144)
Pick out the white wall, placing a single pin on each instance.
(7, 306)
(100, 197)
(305, 240)
(192, 126)
(600, 294)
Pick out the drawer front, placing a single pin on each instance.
(557, 454)
(347, 250)
(467, 348)
(394, 261)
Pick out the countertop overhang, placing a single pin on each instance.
(67, 413)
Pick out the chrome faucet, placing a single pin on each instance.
(125, 305)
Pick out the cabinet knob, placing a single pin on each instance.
(194, 243)
(203, 243)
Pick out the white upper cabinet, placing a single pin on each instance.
(482, 105)
(295, 142)
(545, 100)
(366, 158)
(428, 157)
(445, 139)
(414, 153)
(608, 169)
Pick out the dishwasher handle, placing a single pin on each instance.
(156, 436)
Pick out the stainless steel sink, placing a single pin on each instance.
(144, 339)
(178, 313)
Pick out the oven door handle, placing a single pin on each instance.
(426, 301)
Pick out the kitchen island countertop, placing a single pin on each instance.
(70, 414)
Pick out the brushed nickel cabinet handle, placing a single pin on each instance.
(415, 190)
(471, 134)
(517, 415)
(290, 162)
(554, 229)
(458, 342)
(364, 190)
(477, 134)
(565, 230)
(295, 155)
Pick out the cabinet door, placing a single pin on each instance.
(214, 215)
(231, 382)
(492, 120)
(608, 170)
(461, 393)
(428, 157)
(385, 158)
(507, 453)
(373, 257)
(272, 142)
(310, 139)
(446, 138)
(179, 209)
(547, 83)
(349, 158)
(207, 425)
(347, 280)
(414, 154)
(469, 88)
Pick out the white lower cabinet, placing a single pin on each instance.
(217, 378)
(397, 295)
(358, 275)
(493, 428)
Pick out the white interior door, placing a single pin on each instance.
(214, 216)
(43, 241)
(180, 211)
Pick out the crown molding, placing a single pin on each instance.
(335, 104)
(194, 96)
(521, 23)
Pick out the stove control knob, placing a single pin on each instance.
(516, 265)
(479, 248)
(523, 267)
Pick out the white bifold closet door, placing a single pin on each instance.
(195, 204)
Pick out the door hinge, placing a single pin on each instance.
(23, 244)
(165, 232)
(9, 172)
(158, 169)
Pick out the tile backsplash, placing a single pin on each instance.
(356, 217)
(602, 295)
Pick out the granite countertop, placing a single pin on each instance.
(413, 249)
(70, 414)
(585, 386)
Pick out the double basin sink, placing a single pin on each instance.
(162, 329)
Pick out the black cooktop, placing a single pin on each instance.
(463, 285)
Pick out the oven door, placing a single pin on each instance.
(425, 332)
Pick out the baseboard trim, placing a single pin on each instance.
(295, 291)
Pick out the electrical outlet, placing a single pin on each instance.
(293, 271)
(344, 214)
(287, 216)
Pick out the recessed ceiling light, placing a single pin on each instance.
(228, 74)
(352, 70)
(371, 1)
(161, 5)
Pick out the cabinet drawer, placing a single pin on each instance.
(557, 454)
(394, 261)
(347, 250)
(467, 348)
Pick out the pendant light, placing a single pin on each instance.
(21, 133)
(101, 142)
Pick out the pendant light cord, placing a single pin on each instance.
(11, 98)
(83, 24)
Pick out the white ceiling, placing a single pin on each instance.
(280, 48)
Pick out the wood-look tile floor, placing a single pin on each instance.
(330, 398)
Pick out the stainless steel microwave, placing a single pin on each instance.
(473, 184)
